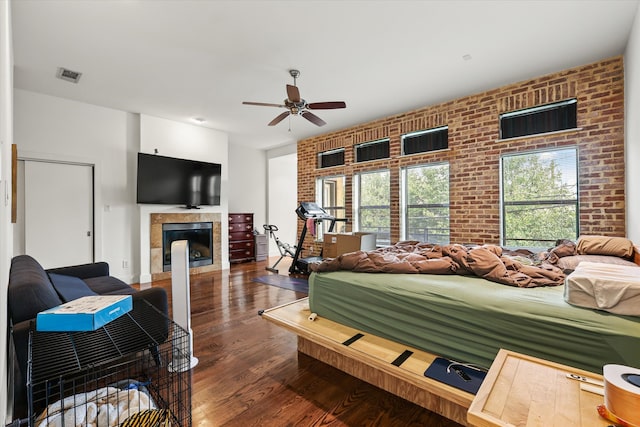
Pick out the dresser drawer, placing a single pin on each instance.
(235, 218)
(240, 235)
(240, 226)
(241, 254)
(244, 244)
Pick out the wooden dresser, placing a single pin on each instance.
(241, 240)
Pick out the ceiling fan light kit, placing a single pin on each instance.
(298, 106)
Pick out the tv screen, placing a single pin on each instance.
(171, 181)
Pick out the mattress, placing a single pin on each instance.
(469, 319)
(613, 288)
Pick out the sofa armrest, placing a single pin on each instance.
(18, 355)
(20, 338)
(155, 296)
(83, 271)
(151, 312)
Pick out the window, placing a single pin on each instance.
(373, 213)
(539, 198)
(425, 140)
(330, 194)
(372, 150)
(331, 158)
(546, 118)
(425, 194)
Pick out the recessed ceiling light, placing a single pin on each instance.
(466, 57)
(68, 75)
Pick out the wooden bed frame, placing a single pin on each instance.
(370, 359)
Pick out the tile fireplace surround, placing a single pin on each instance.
(156, 221)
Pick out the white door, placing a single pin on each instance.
(58, 213)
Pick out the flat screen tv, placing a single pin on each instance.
(171, 181)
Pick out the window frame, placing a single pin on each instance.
(404, 197)
(356, 148)
(438, 129)
(329, 152)
(357, 206)
(320, 200)
(539, 110)
(546, 202)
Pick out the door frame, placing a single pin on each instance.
(97, 196)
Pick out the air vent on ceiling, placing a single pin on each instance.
(68, 75)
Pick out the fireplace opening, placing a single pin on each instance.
(200, 238)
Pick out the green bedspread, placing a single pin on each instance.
(469, 319)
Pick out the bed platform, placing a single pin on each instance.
(370, 358)
(469, 319)
(366, 322)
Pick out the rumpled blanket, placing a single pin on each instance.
(104, 407)
(490, 262)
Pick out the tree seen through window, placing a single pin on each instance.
(539, 198)
(374, 214)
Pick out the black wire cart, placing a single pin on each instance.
(132, 371)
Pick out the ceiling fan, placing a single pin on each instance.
(298, 106)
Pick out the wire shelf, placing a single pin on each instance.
(135, 366)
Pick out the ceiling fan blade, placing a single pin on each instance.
(326, 105)
(313, 118)
(264, 104)
(279, 118)
(293, 93)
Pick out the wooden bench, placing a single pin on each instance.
(370, 358)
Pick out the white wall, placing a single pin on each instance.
(175, 139)
(6, 231)
(632, 130)
(248, 182)
(51, 128)
(283, 195)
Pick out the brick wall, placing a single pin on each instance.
(475, 149)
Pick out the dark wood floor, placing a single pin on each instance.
(250, 374)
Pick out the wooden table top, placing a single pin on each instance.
(521, 390)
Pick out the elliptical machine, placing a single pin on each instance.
(284, 248)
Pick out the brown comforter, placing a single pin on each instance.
(488, 261)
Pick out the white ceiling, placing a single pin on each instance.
(181, 59)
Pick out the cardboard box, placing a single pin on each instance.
(84, 314)
(335, 244)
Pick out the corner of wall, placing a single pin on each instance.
(632, 129)
(6, 228)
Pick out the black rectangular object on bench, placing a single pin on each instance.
(456, 374)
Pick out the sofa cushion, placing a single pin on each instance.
(70, 287)
(83, 271)
(109, 285)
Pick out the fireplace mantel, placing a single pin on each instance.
(156, 221)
